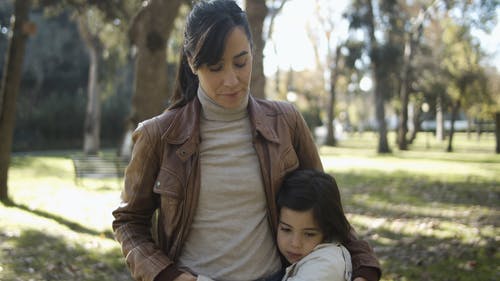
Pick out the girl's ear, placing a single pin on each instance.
(195, 72)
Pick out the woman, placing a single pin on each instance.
(208, 168)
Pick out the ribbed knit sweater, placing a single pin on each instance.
(230, 238)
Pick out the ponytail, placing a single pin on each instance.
(186, 84)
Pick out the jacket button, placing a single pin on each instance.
(158, 183)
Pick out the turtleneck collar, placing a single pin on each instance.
(214, 112)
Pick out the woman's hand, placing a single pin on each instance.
(185, 277)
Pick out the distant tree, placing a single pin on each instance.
(497, 131)
(324, 16)
(149, 33)
(257, 11)
(491, 111)
(274, 8)
(93, 19)
(92, 125)
(461, 55)
(11, 80)
(461, 62)
(383, 54)
(412, 41)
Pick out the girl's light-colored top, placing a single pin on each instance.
(327, 262)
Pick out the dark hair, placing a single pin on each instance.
(305, 190)
(207, 27)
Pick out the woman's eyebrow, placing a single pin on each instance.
(242, 53)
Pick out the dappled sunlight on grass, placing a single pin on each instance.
(25, 220)
(425, 142)
(444, 169)
(410, 247)
(41, 249)
(429, 215)
(439, 211)
(424, 227)
(47, 183)
(57, 228)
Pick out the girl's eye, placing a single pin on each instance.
(285, 229)
(311, 234)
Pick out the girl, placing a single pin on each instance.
(312, 228)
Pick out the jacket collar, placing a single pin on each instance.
(186, 122)
(259, 120)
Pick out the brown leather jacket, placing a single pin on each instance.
(162, 181)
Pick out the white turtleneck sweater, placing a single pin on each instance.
(230, 238)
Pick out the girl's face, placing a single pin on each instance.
(227, 81)
(298, 234)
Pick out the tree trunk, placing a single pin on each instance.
(439, 118)
(403, 121)
(92, 125)
(405, 93)
(479, 128)
(416, 123)
(334, 74)
(454, 114)
(149, 34)
(497, 131)
(11, 82)
(469, 127)
(257, 12)
(383, 145)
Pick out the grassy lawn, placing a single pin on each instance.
(429, 215)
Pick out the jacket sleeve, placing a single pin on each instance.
(365, 263)
(132, 223)
(304, 143)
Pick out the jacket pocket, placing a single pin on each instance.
(169, 185)
(171, 193)
(288, 161)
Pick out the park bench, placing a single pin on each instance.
(98, 166)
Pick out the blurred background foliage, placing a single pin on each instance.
(449, 68)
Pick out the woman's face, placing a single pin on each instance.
(227, 81)
(298, 234)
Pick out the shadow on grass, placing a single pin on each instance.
(35, 255)
(70, 224)
(423, 228)
(420, 257)
(405, 188)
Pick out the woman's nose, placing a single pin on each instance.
(230, 77)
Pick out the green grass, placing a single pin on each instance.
(430, 215)
(57, 228)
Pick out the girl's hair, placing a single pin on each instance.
(305, 190)
(207, 27)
